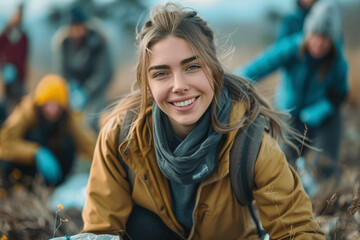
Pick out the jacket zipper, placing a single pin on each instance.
(157, 208)
(198, 199)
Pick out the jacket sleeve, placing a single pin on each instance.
(285, 209)
(285, 29)
(340, 87)
(2, 41)
(13, 146)
(108, 203)
(62, 58)
(274, 57)
(101, 75)
(84, 137)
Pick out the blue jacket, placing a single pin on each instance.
(292, 23)
(299, 88)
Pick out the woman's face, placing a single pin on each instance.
(178, 83)
(307, 3)
(318, 46)
(16, 19)
(77, 31)
(51, 111)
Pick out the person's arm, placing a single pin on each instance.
(13, 146)
(101, 74)
(285, 27)
(2, 43)
(108, 203)
(23, 54)
(340, 88)
(84, 137)
(271, 59)
(285, 209)
(63, 60)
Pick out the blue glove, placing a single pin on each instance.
(78, 97)
(314, 115)
(9, 73)
(48, 165)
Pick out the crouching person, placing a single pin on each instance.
(41, 136)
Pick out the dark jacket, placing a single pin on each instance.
(89, 64)
(292, 23)
(15, 53)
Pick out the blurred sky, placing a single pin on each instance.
(243, 9)
(238, 9)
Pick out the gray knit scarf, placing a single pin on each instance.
(195, 158)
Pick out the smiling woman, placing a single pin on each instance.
(187, 112)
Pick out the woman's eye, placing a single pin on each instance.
(159, 74)
(193, 67)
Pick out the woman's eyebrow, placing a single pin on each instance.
(187, 60)
(164, 66)
(159, 67)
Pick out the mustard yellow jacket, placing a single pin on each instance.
(285, 209)
(13, 145)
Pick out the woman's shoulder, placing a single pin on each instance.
(110, 123)
(23, 115)
(270, 156)
(26, 107)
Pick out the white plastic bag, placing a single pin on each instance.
(88, 236)
(71, 193)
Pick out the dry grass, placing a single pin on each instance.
(25, 215)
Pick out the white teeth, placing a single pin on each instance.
(184, 103)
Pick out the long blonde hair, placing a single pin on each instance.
(174, 20)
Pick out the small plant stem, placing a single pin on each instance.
(55, 224)
(344, 230)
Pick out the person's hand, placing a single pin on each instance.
(48, 165)
(78, 97)
(315, 114)
(9, 73)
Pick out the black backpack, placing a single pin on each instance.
(243, 156)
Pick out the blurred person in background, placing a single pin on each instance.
(86, 64)
(13, 62)
(314, 82)
(41, 136)
(294, 22)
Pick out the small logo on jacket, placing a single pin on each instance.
(203, 171)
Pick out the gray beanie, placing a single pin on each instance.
(324, 19)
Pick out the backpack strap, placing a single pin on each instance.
(243, 156)
(124, 131)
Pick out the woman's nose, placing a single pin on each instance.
(179, 83)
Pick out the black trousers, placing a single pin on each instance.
(327, 138)
(144, 224)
